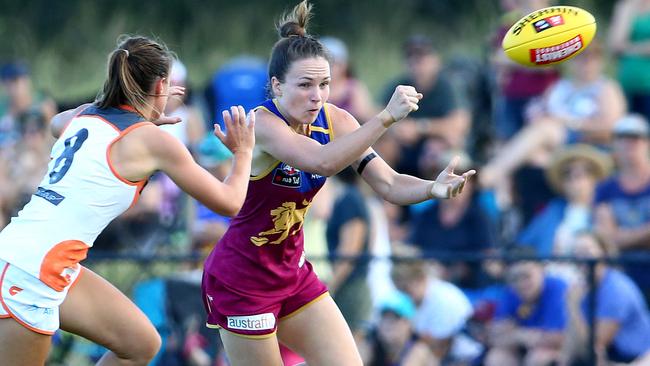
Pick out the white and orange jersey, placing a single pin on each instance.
(79, 195)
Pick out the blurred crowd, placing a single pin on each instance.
(563, 160)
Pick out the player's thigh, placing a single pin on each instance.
(319, 333)
(96, 310)
(244, 351)
(21, 346)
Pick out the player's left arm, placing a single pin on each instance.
(398, 188)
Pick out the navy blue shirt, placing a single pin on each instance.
(349, 206)
(470, 234)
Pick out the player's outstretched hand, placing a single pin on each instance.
(174, 92)
(240, 130)
(448, 184)
(403, 101)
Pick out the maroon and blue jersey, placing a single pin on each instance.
(262, 252)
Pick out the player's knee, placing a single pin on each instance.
(141, 349)
(149, 347)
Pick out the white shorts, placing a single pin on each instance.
(29, 301)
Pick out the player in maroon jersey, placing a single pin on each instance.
(257, 286)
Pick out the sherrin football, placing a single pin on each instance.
(549, 36)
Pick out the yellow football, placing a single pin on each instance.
(549, 36)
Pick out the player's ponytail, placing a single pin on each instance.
(294, 23)
(295, 43)
(133, 68)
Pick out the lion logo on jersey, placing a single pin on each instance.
(284, 218)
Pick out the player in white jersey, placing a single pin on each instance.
(102, 159)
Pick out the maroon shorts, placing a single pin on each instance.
(252, 315)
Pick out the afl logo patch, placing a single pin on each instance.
(286, 176)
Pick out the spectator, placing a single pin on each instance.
(442, 310)
(516, 85)
(24, 165)
(628, 40)
(573, 173)
(191, 129)
(172, 202)
(622, 202)
(438, 114)
(460, 225)
(205, 226)
(392, 341)
(24, 114)
(581, 107)
(622, 317)
(530, 317)
(346, 91)
(22, 101)
(348, 235)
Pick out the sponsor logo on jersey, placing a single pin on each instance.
(13, 290)
(546, 55)
(264, 321)
(49, 195)
(286, 176)
(546, 23)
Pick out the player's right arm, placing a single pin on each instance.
(280, 141)
(168, 154)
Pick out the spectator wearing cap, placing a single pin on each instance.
(622, 203)
(530, 316)
(392, 340)
(573, 174)
(442, 309)
(439, 111)
(346, 90)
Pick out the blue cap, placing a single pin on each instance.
(13, 70)
(398, 303)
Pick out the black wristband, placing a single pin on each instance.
(365, 162)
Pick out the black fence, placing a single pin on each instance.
(125, 270)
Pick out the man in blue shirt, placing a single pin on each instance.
(622, 317)
(622, 203)
(530, 318)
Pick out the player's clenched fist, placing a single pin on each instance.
(403, 101)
